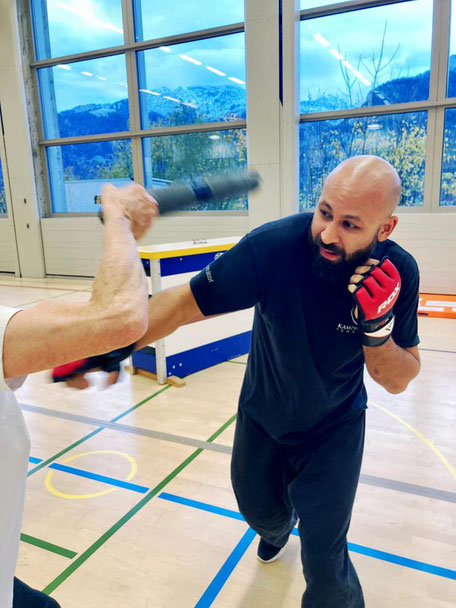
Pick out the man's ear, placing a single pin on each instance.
(387, 228)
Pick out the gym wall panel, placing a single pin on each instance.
(72, 246)
(431, 239)
(7, 245)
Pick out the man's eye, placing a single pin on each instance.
(325, 213)
(350, 226)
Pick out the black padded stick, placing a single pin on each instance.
(183, 194)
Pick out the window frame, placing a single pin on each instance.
(436, 105)
(135, 134)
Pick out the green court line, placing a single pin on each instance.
(131, 409)
(107, 535)
(42, 544)
(238, 362)
(45, 463)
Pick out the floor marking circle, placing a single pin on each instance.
(53, 490)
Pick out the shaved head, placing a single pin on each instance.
(369, 178)
(354, 213)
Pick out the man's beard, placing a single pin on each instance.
(339, 272)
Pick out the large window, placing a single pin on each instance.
(136, 89)
(365, 88)
(168, 84)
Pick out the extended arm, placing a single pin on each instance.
(168, 310)
(53, 333)
(391, 366)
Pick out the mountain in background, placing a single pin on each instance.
(184, 105)
(198, 104)
(398, 90)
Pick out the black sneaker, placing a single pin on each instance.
(268, 553)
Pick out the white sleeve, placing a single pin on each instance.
(5, 315)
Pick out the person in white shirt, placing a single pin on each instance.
(56, 332)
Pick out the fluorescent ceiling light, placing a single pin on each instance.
(63, 67)
(336, 54)
(87, 73)
(348, 65)
(236, 80)
(101, 78)
(171, 98)
(319, 38)
(190, 59)
(214, 136)
(165, 49)
(150, 92)
(360, 77)
(211, 69)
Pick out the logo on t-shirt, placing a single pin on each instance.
(209, 275)
(347, 329)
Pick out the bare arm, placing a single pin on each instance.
(391, 366)
(53, 333)
(168, 310)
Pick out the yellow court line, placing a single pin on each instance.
(419, 434)
(52, 490)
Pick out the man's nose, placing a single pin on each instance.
(329, 235)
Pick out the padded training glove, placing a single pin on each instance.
(375, 295)
(109, 362)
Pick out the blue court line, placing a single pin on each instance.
(353, 547)
(196, 504)
(103, 478)
(226, 570)
(402, 561)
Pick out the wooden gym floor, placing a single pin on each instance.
(129, 503)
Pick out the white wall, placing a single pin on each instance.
(431, 239)
(73, 245)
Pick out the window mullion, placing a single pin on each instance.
(133, 94)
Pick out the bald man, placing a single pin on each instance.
(331, 293)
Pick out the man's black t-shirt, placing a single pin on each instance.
(306, 360)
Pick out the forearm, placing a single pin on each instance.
(391, 366)
(168, 310)
(120, 288)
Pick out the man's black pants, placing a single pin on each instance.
(276, 484)
(26, 597)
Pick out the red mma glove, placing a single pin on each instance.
(375, 294)
(73, 374)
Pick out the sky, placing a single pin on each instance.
(328, 41)
(81, 25)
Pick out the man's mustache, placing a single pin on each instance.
(331, 248)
